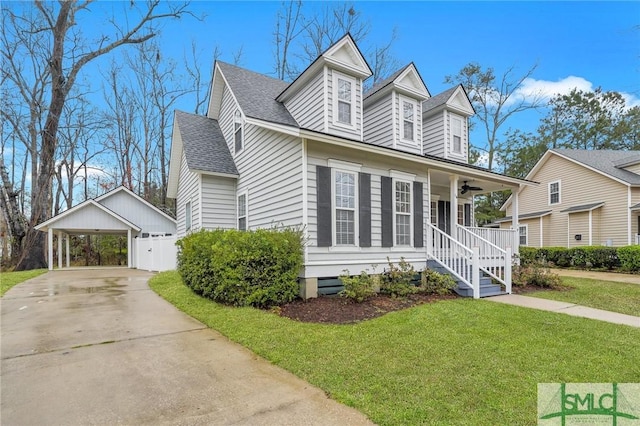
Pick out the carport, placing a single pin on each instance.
(88, 218)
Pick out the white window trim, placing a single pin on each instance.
(352, 168)
(189, 216)
(335, 121)
(453, 117)
(559, 192)
(238, 117)
(402, 99)
(397, 176)
(246, 206)
(434, 198)
(526, 236)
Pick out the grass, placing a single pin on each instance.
(612, 296)
(461, 361)
(10, 279)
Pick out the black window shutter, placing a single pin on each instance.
(418, 215)
(323, 188)
(387, 211)
(467, 215)
(364, 209)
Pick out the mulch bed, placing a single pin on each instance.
(338, 310)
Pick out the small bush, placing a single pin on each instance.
(528, 255)
(241, 268)
(433, 282)
(357, 288)
(629, 257)
(396, 280)
(537, 275)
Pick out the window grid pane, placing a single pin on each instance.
(344, 112)
(403, 197)
(345, 197)
(554, 193)
(407, 108)
(403, 213)
(523, 235)
(403, 229)
(345, 227)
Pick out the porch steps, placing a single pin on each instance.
(487, 288)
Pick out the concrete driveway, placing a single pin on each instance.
(97, 346)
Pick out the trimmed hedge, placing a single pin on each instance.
(242, 268)
(587, 257)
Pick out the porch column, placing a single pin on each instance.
(453, 195)
(50, 248)
(59, 249)
(129, 249)
(515, 221)
(429, 219)
(67, 250)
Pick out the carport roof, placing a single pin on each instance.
(101, 223)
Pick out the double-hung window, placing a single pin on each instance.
(242, 211)
(345, 210)
(238, 131)
(522, 234)
(409, 111)
(434, 213)
(344, 93)
(403, 212)
(456, 134)
(554, 192)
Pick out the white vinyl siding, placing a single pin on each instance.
(151, 221)
(433, 141)
(188, 190)
(226, 120)
(218, 202)
(377, 123)
(353, 130)
(327, 261)
(272, 168)
(307, 106)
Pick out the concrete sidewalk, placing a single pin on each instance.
(566, 308)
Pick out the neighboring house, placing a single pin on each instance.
(118, 212)
(367, 175)
(584, 198)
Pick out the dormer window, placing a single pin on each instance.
(408, 120)
(344, 99)
(238, 131)
(456, 135)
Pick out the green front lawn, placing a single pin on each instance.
(608, 295)
(9, 279)
(460, 361)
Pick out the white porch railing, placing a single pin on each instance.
(459, 260)
(502, 238)
(493, 260)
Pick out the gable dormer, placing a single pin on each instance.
(630, 164)
(327, 96)
(393, 111)
(445, 119)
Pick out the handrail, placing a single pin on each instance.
(502, 238)
(493, 260)
(454, 256)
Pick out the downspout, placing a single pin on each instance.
(629, 215)
(305, 200)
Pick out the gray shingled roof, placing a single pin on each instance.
(524, 216)
(605, 161)
(437, 100)
(583, 208)
(204, 146)
(636, 207)
(256, 93)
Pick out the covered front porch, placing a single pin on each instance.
(479, 258)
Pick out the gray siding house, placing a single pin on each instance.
(369, 176)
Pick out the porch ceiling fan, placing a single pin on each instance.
(466, 188)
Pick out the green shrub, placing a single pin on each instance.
(241, 268)
(194, 259)
(528, 255)
(357, 288)
(433, 282)
(629, 257)
(537, 274)
(396, 280)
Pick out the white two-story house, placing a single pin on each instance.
(369, 176)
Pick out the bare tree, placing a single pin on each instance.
(65, 52)
(289, 26)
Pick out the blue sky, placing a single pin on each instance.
(574, 44)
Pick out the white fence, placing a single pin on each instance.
(156, 253)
